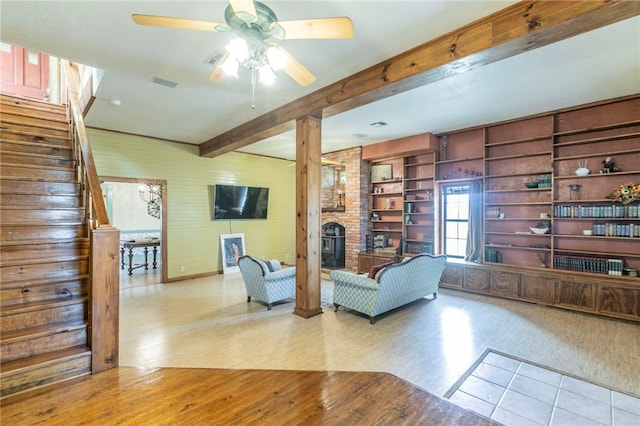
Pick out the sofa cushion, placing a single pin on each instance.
(377, 268)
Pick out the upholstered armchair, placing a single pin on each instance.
(266, 280)
(392, 287)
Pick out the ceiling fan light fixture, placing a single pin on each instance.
(277, 59)
(266, 75)
(238, 49)
(230, 67)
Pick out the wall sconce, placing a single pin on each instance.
(152, 195)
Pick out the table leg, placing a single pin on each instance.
(146, 262)
(122, 257)
(130, 260)
(155, 252)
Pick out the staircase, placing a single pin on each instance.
(45, 249)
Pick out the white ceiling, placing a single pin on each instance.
(602, 64)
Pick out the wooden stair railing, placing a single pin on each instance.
(105, 239)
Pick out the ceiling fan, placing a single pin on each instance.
(254, 23)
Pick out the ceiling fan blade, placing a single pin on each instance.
(188, 24)
(217, 74)
(296, 70)
(245, 9)
(322, 28)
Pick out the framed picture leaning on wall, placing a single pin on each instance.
(232, 247)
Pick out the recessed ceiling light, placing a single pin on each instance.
(115, 102)
(379, 124)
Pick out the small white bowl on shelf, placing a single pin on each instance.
(582, 171)
(540, 231)
(587, 232)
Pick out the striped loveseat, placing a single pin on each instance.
(393, 286)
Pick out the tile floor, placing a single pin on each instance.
(515, 392)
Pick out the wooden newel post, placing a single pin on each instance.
(308, 262)
(105, 297)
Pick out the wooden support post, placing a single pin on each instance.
(308, 163)
(105, 298)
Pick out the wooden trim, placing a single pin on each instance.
(519, 28)
(163, 232)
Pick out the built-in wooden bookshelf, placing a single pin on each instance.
(590, 257)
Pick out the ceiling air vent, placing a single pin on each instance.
(379, 124)
(163, 82)
(215, 57)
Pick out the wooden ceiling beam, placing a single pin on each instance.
(519, 28)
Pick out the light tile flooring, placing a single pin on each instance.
(515, 392)
(207, 323)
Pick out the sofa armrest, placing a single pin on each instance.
(280, 275)
(349, 279)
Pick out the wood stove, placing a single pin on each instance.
(332, 245)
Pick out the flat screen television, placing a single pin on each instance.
(239, 202)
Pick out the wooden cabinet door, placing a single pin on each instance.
(452, 275)
(573, 293)
(539, 289)
(365, 262)
(506, 284)
(477, 279)
(619, 300)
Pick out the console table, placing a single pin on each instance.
(132, 244)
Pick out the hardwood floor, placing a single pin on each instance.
(132, 396)
(204, 327)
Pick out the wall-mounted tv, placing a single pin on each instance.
(239, 202)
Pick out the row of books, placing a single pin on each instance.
(617, 229)
(595, 265)
(491, 255)
(599, 211)
(416, 248)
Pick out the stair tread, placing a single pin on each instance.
(39, 260)
(43, 241)
(40, 305)
(36, 104)
(43, 281)
(37, 155)
(42, 207)
(15, 366)
(38, 166)
(35, 144)
(41, 331)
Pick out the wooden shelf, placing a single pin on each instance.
(598, 253)
(503, 246)
(517, 141)
(531, 173)
(514, 156)
(598, 154)
(599, 128)
(598, 175)
(525, 203)
(460, 160)
(498, 191)
(388, 194)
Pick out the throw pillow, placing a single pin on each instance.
(377, 268)
(274, 265)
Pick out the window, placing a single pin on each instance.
(456, 219)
